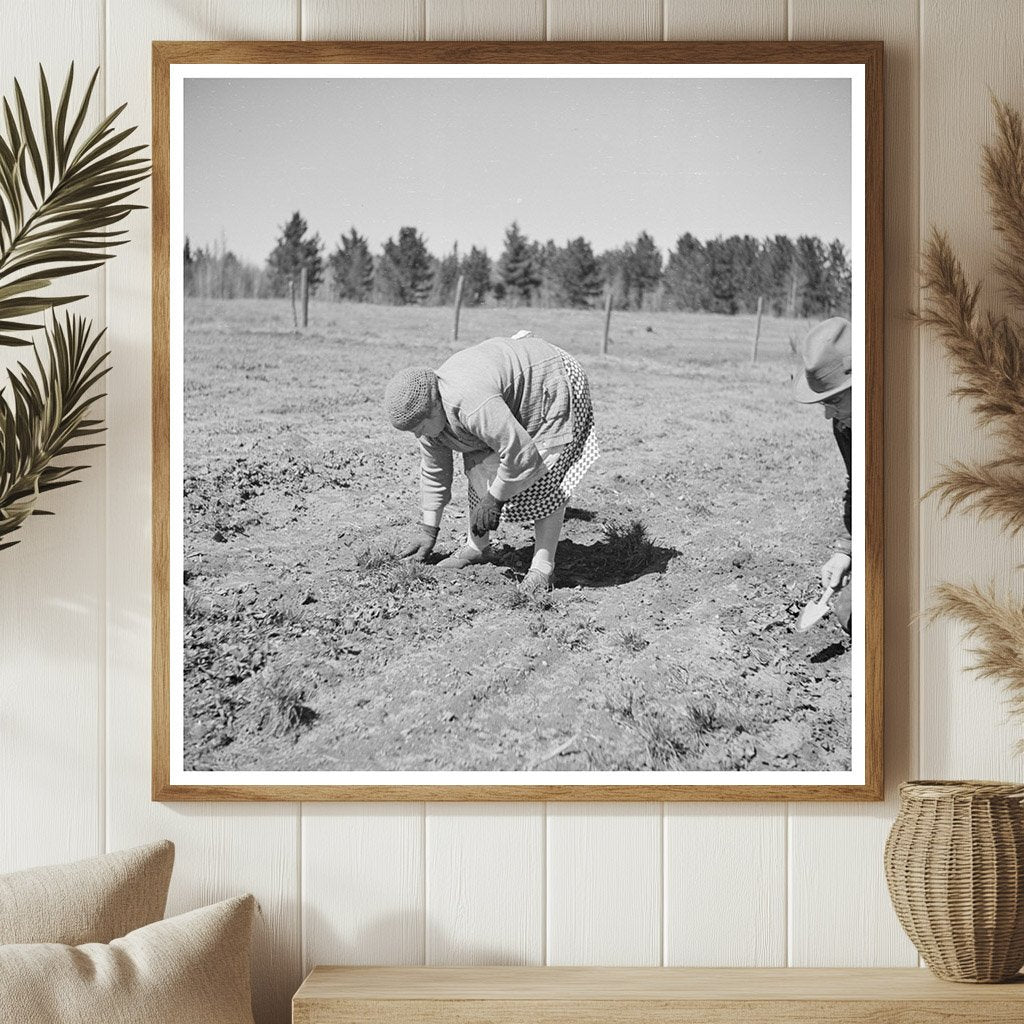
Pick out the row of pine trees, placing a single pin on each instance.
(805, 277)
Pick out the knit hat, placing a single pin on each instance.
(410, 396)
(828, 362)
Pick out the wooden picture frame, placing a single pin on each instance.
(169, 781)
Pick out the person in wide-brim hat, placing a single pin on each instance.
(827, 380)
(519, 411)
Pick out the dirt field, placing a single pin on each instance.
(668, 643)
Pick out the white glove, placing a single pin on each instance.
(835, 572)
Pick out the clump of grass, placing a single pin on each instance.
(704, 715)
(280, 708)
(390, 573)
(668, 746)
(285, 612)
(670, 743)
(516, 599)
(578, 635)
(196, 605)
(370, 559)
(629, 547)
(404, 574)
(633, 640)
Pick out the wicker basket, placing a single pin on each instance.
(954, 861)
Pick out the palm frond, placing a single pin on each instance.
(45, 418)
(61, 194)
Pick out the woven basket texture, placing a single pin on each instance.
(954, 862)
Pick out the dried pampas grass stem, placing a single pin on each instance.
(987, 354)
(997, 628)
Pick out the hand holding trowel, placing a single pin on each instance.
(835, 574)
(815, 611)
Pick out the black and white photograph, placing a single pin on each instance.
(517, 423)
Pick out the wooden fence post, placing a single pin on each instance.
(458, 305)
(305, 296)
(757, 329)
(291, 293)
(607, 321)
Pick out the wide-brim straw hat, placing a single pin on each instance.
(828, 362)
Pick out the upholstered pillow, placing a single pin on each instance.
(191, 969)
(92, 900)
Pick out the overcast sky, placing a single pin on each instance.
(460, 159)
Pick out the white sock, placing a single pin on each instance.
(547, 531)
(480, 543)
(542, 565)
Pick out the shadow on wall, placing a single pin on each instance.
(396, 940)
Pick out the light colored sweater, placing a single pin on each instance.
(508, 396)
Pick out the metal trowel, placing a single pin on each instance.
(815, 611)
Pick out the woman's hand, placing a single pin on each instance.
(419, 546)
(486, 515)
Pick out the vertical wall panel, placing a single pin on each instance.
(604, 884)
(836, 851)
(485, 884)
(725, 885)
(604, 19)
(967, 48)
(508, 20)
(362, 884)
(222, 848)
(363, 19)
(725, 19)
(363, 880)
(51, 582)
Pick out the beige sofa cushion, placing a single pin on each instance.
(93, 900)
(191, 969)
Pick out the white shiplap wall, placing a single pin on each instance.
(750, 884)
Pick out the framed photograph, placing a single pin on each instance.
(517, 421)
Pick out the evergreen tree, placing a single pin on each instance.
(293, 252)
(217, 273)
(545, 262)
(446, 278)
(811, 259)
(577, 274)
(746, 254)
(781, 273)
(721, 257)
(352, 268)
(686, 275)
(476, 268)
(517, 267)
(642, 269)
(189, 268)
(405, 270)
(613, 264)
(838, 280)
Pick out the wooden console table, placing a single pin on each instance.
(647, 995)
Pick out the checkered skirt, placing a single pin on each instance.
(551, 491)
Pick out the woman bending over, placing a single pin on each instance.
(518, 409)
